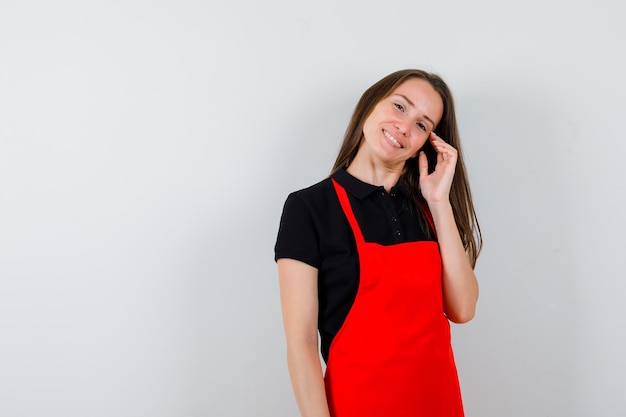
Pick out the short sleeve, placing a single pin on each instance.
(298, 237)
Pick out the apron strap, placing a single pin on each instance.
(347, 209)
(428, 215)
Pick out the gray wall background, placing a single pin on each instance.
(146, 149)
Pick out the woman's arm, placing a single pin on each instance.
(460, 287)
(299, 301)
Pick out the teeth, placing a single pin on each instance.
(392, 139)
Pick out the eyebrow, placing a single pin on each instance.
(413, 105)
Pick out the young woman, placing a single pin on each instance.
(379, 257)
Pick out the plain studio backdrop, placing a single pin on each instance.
(146, 150)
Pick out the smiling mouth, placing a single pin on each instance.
(392, 139)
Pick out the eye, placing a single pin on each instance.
(398, 106)
(422, 126)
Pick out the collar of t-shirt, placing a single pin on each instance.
(361, 190)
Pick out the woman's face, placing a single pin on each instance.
(401, 123)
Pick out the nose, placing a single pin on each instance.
(403, 126)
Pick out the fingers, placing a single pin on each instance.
(436, 186)
(444, 150)
(422, 164)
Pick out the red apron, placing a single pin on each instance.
(392, 356)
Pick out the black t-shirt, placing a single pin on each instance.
(314, 229)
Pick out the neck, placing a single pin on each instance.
(375, 172)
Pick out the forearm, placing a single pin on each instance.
(307, 380)
(298, 293)
(460, 287)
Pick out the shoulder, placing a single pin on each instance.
(316, 207)
(315, 198)
(322, 194)
(307, 219)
